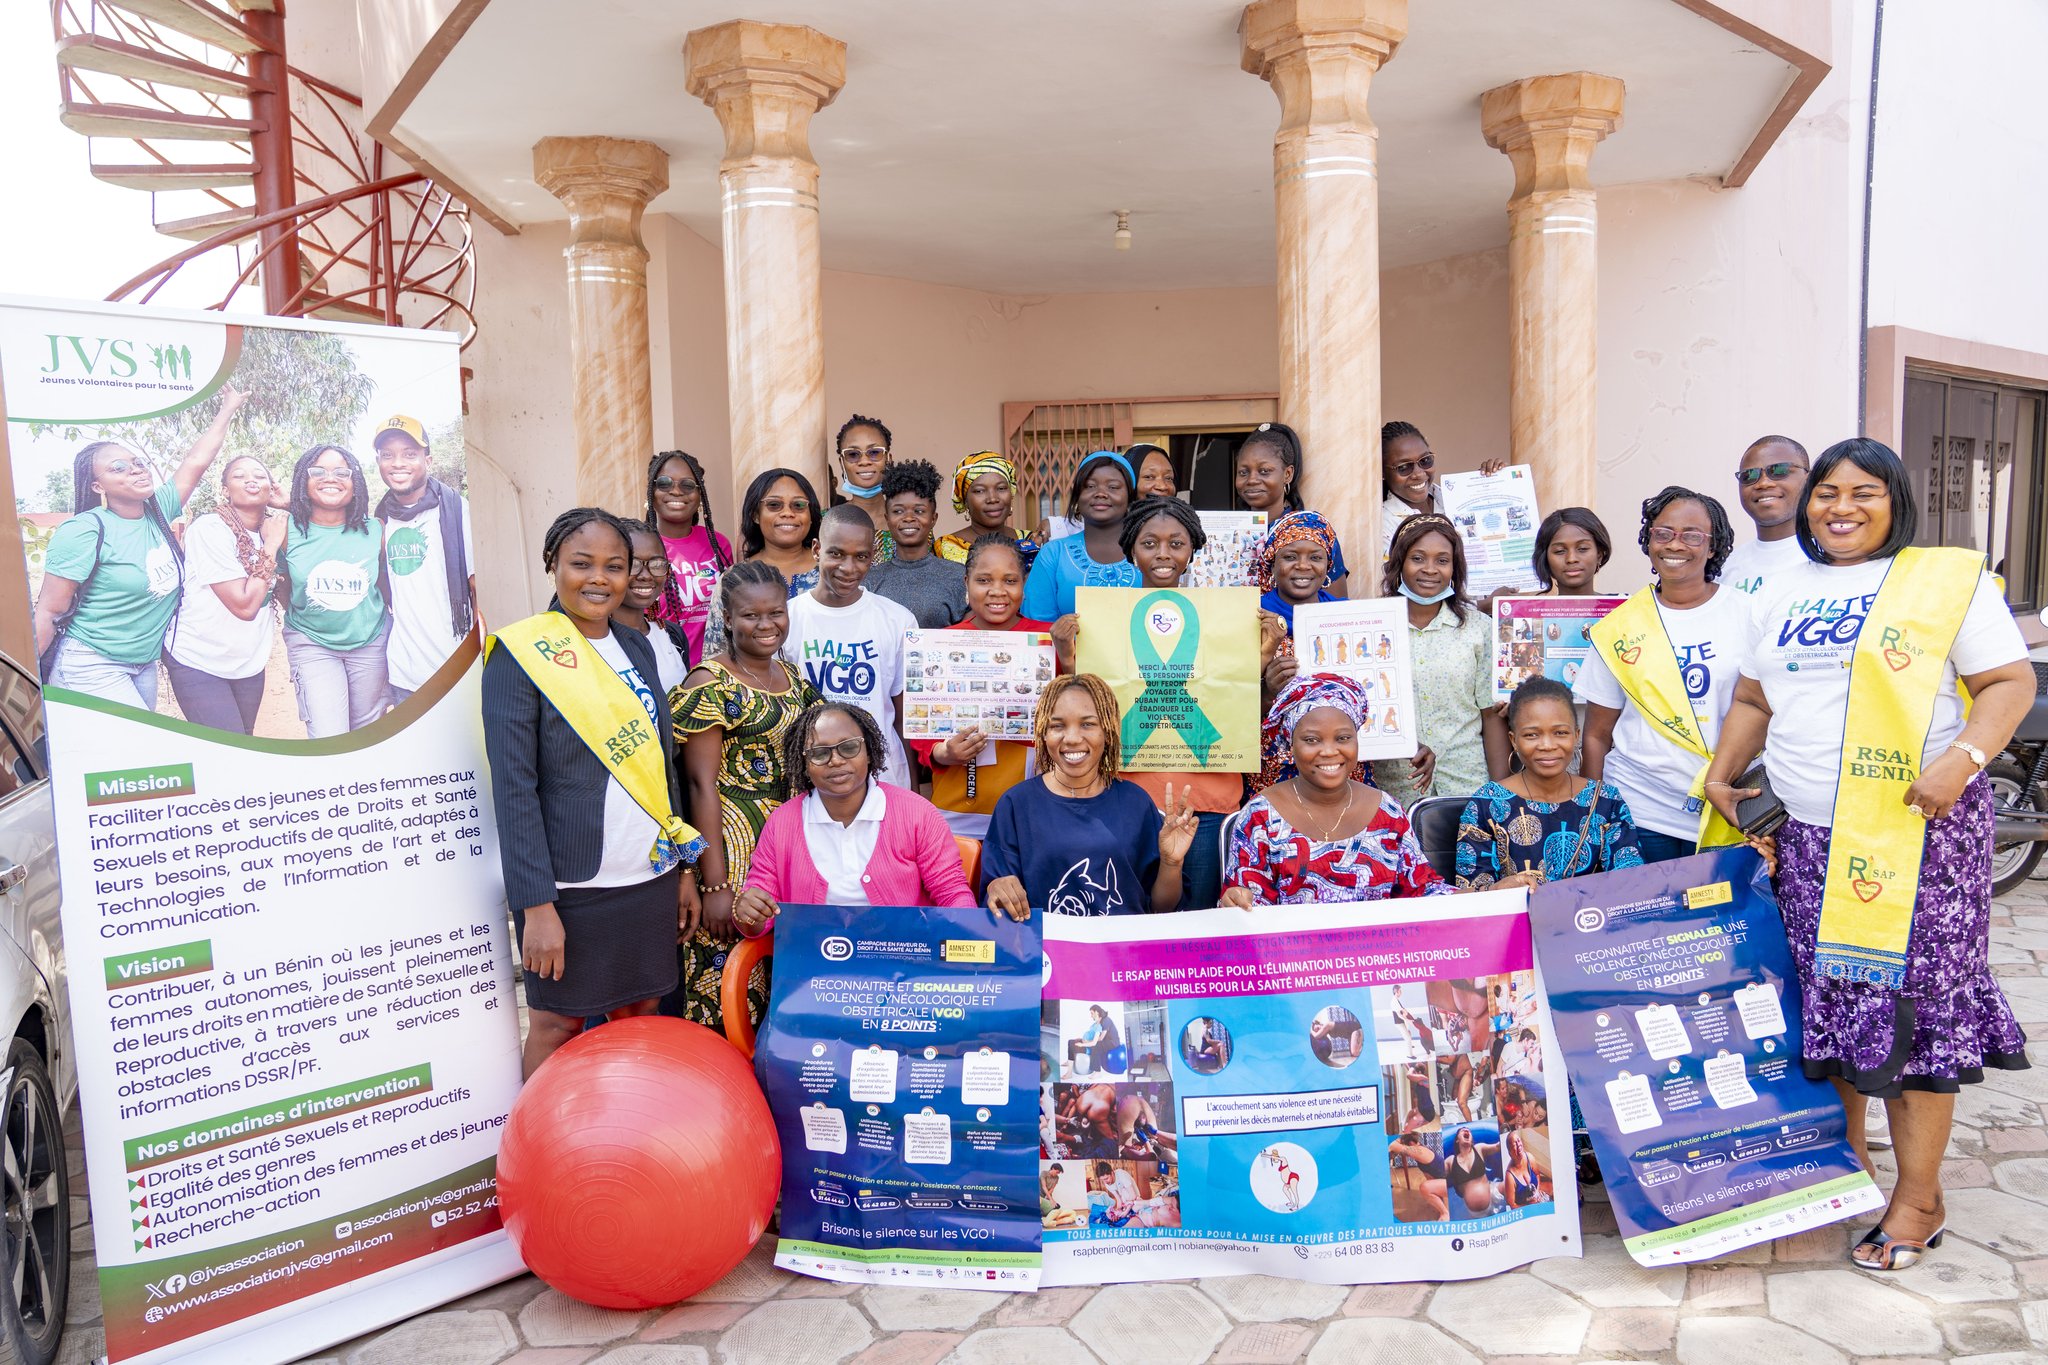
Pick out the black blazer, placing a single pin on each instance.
(546, 785)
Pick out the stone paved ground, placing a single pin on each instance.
(1982, 1298)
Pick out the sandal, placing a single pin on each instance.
(1894, 1253)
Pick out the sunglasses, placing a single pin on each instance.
(1407, 467)
(126, 466)
(865, 453)
(665, 484)
(778, 505)
(1664, 535)
(1777, 472)
(819, 755)
(330, 475)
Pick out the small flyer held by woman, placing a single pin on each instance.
(989, 680)
(1673, 990)
(1366, 641)
(1543, 637)
(1351, 1094)
(1496, 516)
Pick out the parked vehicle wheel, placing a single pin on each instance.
(2013, 863)
(35, 1210)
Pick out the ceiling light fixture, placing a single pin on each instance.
(1123, 229)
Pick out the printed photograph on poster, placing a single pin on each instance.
(1547, 637)
(285, 554)
(1109, 1194)
(1226, 560)
(989, 680)
(1496, 516)
(1365, 640)
(1184, 665)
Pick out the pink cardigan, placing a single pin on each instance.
(915, 862)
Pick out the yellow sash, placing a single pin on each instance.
(1637, 649)
(607, 716)
(1875, 847)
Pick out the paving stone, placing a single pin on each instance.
(1852, 1310)
(1046, 1308)
(687, 1318)
(1985, 1330)
(2026, 1176)
(550, 1355)
(2017, 1139)
(555, 1319)
(640, 1353)
(1980, 1106)
(811, 1287)
(910, 1348)
(2035, 1316)
(1607, 1278)
(513, 1295)
(1719, 1286)
(2013, 1227)
(1962, 1272)
(84, 1303)
(1019, 1346)
(1156, 1323)
(1511, 1313)
(2033, 1275)
(907, 1308)
(1717, 1341)
(476, 1338)
(2025, 1085)
(800, 1332)
(1410, 1343)
(1966, 1172)
(2029, 998)
(753, 1280)
(1386, 1300)
(2002, 1358)
(1633, 1332)
(1264, 1343)
(1265, 1298)
(1597, 1217)
(1830, 1243)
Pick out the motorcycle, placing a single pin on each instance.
(2019, 783)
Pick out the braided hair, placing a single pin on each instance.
(1391, 432)
(657, 615)
(83, 499)
(574, 520)
(1285, 442)
(1173, 509)
(1105, 711)
(800, 735)
(719, 558)
(1721, 537)
(994, 540)
(358, 516)
(248, 549)
(888, 441)
(748, 573)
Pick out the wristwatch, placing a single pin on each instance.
(1976, 755)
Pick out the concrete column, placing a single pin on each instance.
(1319, 56)
(606, 183)
(764, 81)
(1548, 126)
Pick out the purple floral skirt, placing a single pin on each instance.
(1962, 1022)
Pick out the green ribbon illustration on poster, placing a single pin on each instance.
(1166, 699)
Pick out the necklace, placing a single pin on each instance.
(747, 675)
(1329, 830)
(1075, 792)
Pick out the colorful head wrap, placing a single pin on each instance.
(1294, 526)
(1308, 692)
(973, 467)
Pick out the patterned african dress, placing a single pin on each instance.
(954, 546)
(751, 784)
(1281, 865)
(1501, 833)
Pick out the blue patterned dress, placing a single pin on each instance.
(1500, 833)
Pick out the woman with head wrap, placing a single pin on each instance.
(1318, 834)
(1104, 488)
(984, 489)
(1292, 566)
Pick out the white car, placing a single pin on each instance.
(38, 1079)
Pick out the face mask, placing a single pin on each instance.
(1419, 600)
(847, 490)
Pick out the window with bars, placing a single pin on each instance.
(1975, 449)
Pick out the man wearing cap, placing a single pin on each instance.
(428, 550)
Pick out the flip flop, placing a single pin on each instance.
(1894, 1253)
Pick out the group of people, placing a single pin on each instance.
(371, 601)
(649, 825)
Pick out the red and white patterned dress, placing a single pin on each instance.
(1281, 865)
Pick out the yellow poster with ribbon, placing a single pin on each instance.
(1184, 664)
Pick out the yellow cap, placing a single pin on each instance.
(409, 425)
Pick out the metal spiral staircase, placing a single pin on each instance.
(244, 154)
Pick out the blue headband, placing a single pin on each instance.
(1119, 461)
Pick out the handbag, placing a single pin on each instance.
(46, 658)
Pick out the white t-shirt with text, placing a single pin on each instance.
(1755, 562)
(855, 654)
(422, 629)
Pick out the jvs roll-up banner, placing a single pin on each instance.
(1344, 1093)
(290, 988)
(897, 1057)
(1674, 995)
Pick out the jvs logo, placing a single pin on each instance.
(116, 357)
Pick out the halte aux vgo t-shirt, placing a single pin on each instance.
(1754, 563)
(629, 832)
(694, 571)
(1652, 771)
(422, 630)
(209, 637)
(135, 591)
(335, 599)
(855, 654)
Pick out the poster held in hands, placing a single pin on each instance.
(1365, 640)
(1184, 664)
(1547, 637)
(1225, 561)
(956, 680)
(1496, 516)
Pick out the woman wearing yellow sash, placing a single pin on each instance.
(1660, 675)
(1884, 864)
(586, 794)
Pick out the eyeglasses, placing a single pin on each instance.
(778, 505)
(865, 453)
(656, 567)
(819, 755)
(125, 466)
(1407, 467)
(1778, 472)
(329, 475)
(1692, 540)
(665, 484)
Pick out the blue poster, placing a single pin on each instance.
(900, 1058)
(1673, 993)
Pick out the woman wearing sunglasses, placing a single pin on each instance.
(844, 837)
(337, 595)
(681, 515)
(1408, 477)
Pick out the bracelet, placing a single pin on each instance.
(1717, 782)
(710, 890)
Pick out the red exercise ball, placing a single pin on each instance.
(639, 1164)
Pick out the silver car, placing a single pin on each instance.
(38, 1078)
